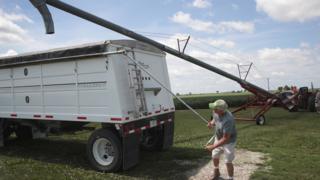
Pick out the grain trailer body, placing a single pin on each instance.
(68, 88)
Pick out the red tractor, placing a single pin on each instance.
(299, 100)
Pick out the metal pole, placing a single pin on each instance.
(248, 71)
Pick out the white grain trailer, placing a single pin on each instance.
(65, 89)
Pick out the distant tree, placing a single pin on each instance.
(190, 93)
(286, 88)
(217, 92)
(178, 94)
(280, 88)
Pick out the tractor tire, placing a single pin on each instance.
(311, 103)
(261, 120)
(104, 151)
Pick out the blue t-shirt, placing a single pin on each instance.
(225, 124)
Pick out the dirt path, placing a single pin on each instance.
(245, 163)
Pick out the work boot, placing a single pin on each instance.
(216, 174)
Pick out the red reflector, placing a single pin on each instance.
(149, 113)
(157, 111)
(13, 115)
(49, 116)
(138, 130)
(37, 116)
(166, 110)
(82, 117)
(116, 119)
(127, 118)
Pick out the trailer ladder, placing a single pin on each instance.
(137, 89)
(134, 61)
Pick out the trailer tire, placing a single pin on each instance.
(152, 139)
(104, 150)
(261, 120)
(24, 132)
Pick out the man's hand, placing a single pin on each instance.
(209, 147)
(210, 124)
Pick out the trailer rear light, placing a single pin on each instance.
(37, 116)
(49, 116)
(172, 109)
(13, 115)
(157, 112)
(116, 119)
(166, 110)
(127, 118)
(81, 117)
(149, 113)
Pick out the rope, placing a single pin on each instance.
(167, 89)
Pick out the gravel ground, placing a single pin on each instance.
(245, 163)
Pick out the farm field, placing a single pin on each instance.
(291, 140)
(201, 101)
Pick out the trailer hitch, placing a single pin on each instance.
(45, 13)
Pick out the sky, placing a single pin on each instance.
(280, 37)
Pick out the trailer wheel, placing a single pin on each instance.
(152, 139)
(104, 151)
(261, 120)
(24, 132)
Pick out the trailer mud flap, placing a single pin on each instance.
(168, 132)
(1, 132)
(131, 151)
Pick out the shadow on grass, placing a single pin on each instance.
(169, 164)
(70, 152)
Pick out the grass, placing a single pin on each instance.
(291, 140)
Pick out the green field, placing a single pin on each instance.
(291, 140)
(201, 101)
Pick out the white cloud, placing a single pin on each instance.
(201, 3)
(10, 52)
(221, 43)
(290, 63)
(286, 56)
(293, 10)
(207, 26)
(234, 6)
(245, 27)
(277, 73)
(10, 31)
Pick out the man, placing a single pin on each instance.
(317, 101)
(225, 137)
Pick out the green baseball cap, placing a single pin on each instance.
(219, 104)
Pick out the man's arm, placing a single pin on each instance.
(225, 138)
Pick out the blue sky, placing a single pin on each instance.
(281, 38)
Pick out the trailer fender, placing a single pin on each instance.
(131, 150)
(168, 132)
